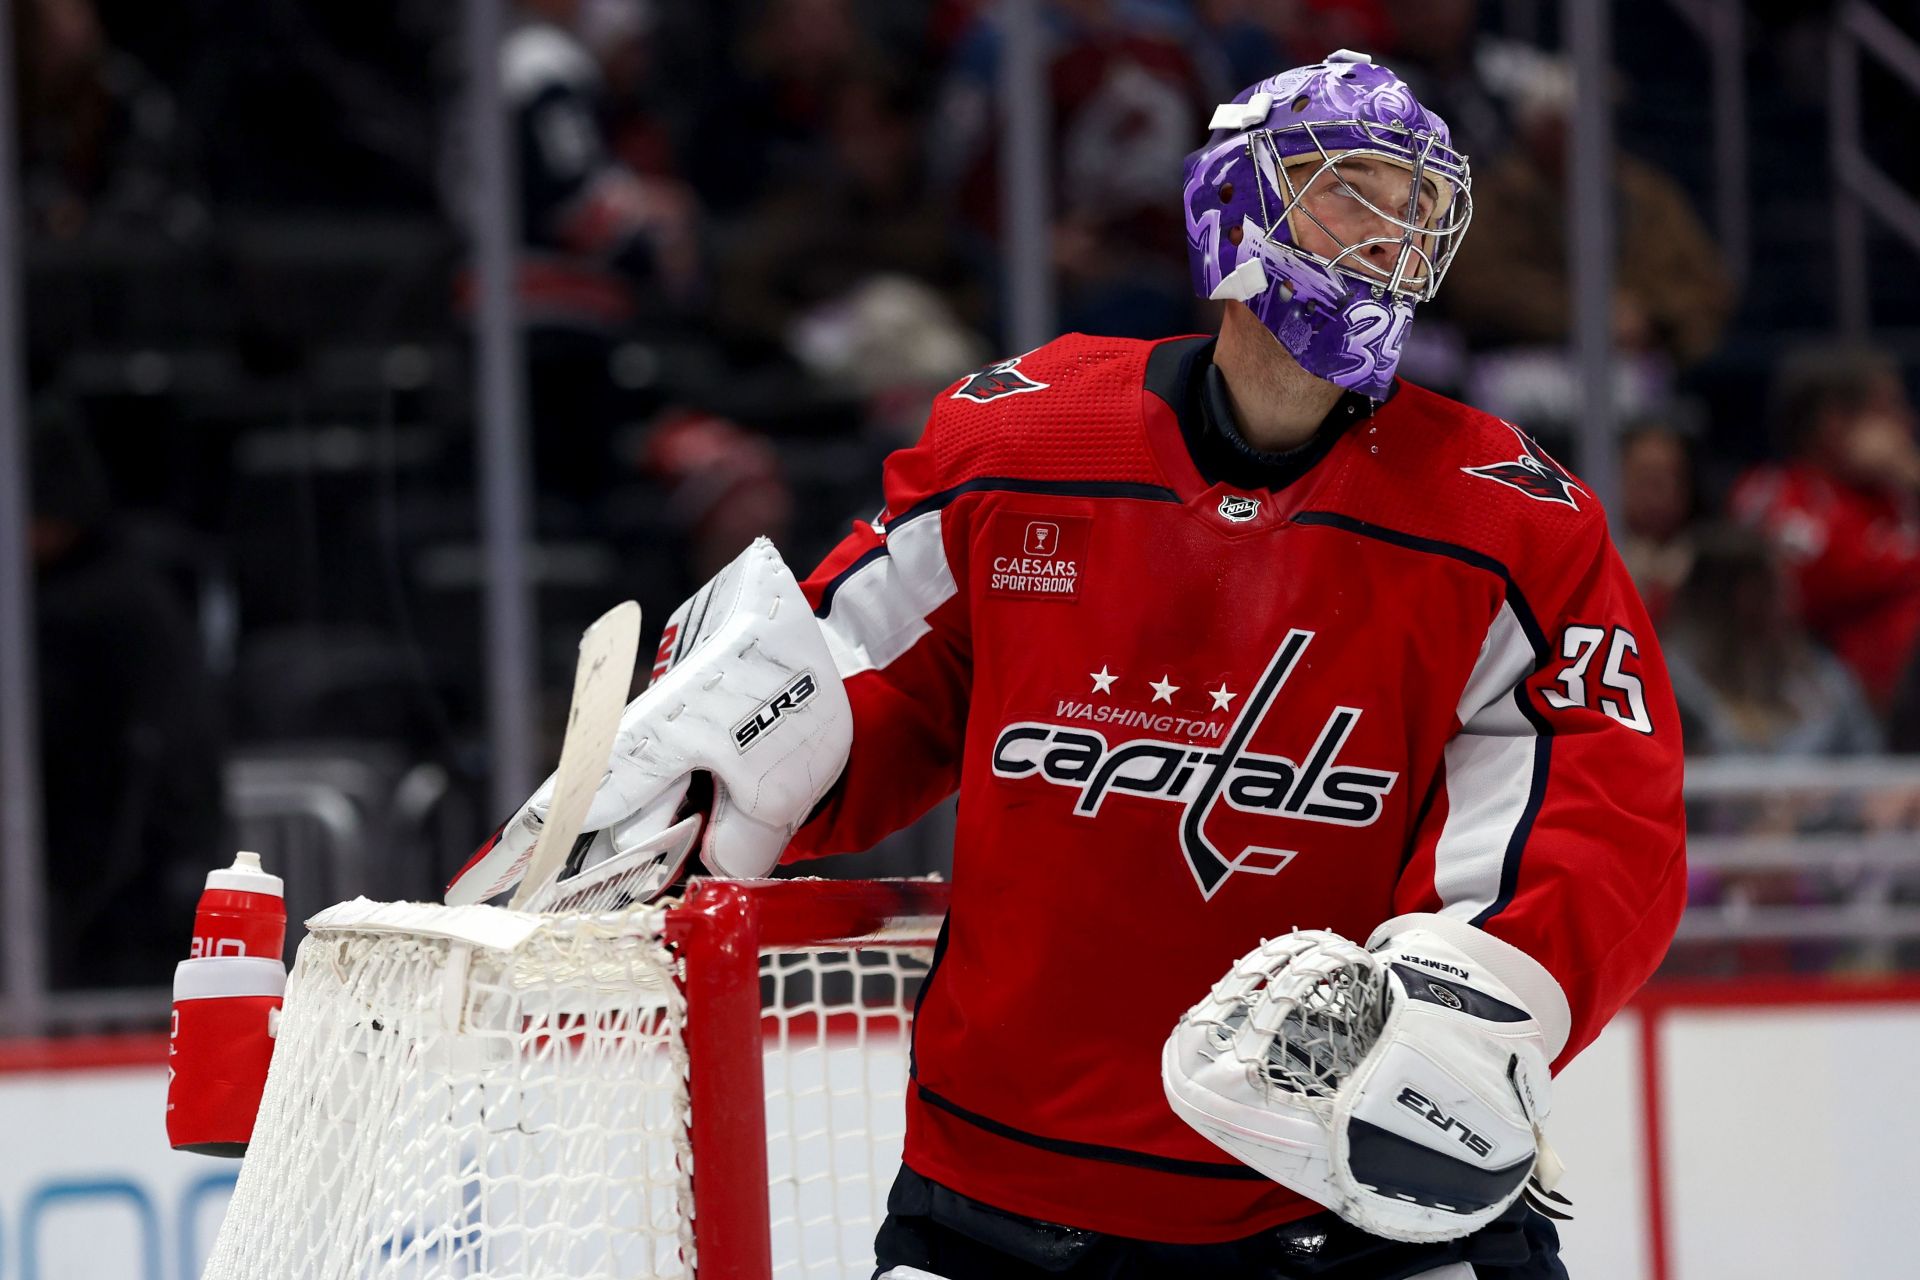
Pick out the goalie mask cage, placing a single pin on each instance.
(712, 1087)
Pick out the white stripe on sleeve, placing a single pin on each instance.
(881, 610)
(1489, 773)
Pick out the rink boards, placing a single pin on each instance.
(1778, 1144)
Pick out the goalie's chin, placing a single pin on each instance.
(1213, 1094)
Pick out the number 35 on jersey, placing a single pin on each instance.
(1614, 690)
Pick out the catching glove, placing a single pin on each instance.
(1402, 1086)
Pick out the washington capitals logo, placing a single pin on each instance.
(1210, 782)
(1533, 473)
(997, 380)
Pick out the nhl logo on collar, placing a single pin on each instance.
(1237, 508)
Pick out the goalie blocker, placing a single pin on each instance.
(745, 693)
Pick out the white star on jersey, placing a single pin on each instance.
(1221, 698)
(1163, 691)
(1102, 679)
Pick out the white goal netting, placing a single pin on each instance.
(466, 1091)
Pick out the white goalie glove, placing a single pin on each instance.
(1402, 1086)
(749, 698)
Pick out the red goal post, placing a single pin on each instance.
(726, 930)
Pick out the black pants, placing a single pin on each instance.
(938, 1230)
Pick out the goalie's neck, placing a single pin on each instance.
(1184, 374)
(1277, 406)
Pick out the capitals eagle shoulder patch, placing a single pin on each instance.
(1533, 473)
(1001, 379)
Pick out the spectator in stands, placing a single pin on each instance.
(1435, 48)
(1751, 681)
(864, 211)
(1658, 505)
(621, 34)
(894, 342)
(99, 136)
(595, 230)
(1749, 678)
(1251, 37)
(1511, 284)
(130, 744)
(1844, 508)
(1129, 91)
(602, 244)
(1326, 25)
(795, 58)
(723, 487)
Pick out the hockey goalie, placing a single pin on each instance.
(1319, 775)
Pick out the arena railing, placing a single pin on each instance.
(1819, 854)
(1861, 32)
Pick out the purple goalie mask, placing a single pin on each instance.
(1330, 202)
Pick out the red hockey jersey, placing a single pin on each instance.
(1183, 717)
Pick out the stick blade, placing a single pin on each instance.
(608, 651)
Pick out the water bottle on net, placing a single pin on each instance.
(226, 1009)
(242, 912)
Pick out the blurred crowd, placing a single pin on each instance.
(756, 236)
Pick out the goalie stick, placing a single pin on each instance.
(608, 651)
(640, 874)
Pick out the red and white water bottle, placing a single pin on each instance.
(226, 1010)
(242, 912)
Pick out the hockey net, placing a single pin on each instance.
(713, 1087)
